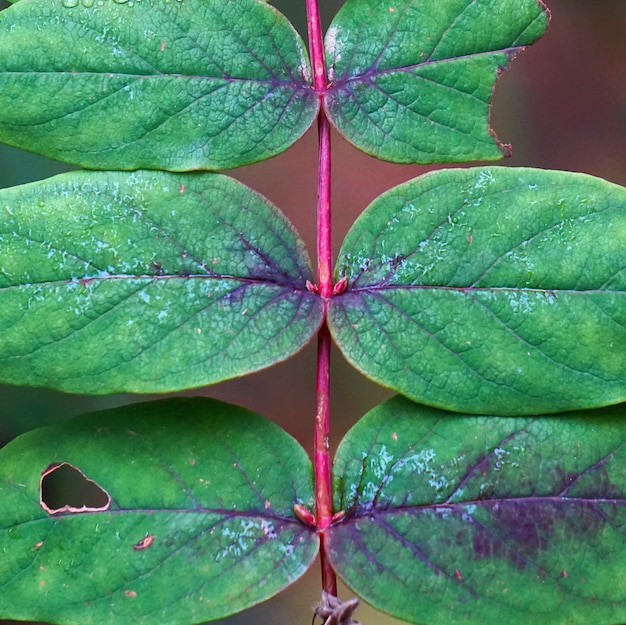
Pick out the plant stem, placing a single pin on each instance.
(322, 461)
(324, 242)
(323, 491)
(324, 237)
(316, 45)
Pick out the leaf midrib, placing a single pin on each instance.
(371, 74)
(219, 512)
(482, 289)
(363, 511)
(87, 280)
(159, 75)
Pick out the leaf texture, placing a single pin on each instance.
(411, 81)
(489, 290)
(147, 282)
(454, 519)
(175, 85)
(200, 522)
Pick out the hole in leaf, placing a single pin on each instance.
(64, 488)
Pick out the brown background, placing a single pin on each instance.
(562, 105)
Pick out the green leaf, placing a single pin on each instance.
(180, 85)
(412, 81)
(147, 282)
(198, 522)
(452, 519)
(489, 290)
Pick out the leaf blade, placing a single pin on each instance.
(181, 86)
(485, 519)
(147, 281)
(210, 502)
(423, 97)
(485, 290)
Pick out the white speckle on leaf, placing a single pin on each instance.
(381, 462)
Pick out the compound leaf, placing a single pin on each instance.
(452, 519)
(490, 290)
(196, 520)
(412, 81)
(147, 282)
(193, 84)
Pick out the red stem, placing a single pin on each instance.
(316, 45)
(324, 239)
(324, 247)
(322, 461)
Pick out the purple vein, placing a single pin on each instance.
(400, 461)
(590, 469)
(257, 544)
(448, 28)
(204, 356)
(431, 336)
(537, 346)
(472, 470)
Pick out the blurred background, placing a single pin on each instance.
(562, 105)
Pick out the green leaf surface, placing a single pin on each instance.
(490, 290)
(411, 81)
(155, 84)
(147, 282)
(199, 525)
(452, 519)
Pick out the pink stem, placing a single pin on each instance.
(322, 460)
(316, 45)
(324, 237)
(324, 242)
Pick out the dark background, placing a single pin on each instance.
(562, 105)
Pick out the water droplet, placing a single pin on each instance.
(69, 4)
(120, 1)
(88, 3)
